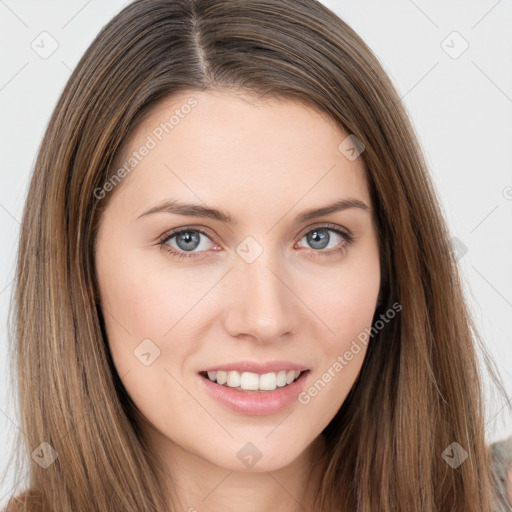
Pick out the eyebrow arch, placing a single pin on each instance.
(196, 210)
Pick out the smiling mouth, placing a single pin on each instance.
(253, 382)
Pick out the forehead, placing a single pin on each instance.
(237, 148)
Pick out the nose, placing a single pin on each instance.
(263, 306)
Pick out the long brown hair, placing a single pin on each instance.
(420, 387)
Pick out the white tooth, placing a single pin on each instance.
(268, 381)
(249, 381)
(252, 381)
(281, 378)
(233, 379)
(222, 377)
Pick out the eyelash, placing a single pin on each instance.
(347, 240)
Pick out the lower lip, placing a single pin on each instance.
(256, 403)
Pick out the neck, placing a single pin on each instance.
(195, 484)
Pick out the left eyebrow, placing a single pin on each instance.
(197, 210)
(341, 205)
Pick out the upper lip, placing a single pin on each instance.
(257, 367)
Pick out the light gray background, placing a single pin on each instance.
(461, 107)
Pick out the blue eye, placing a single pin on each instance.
(319, 237)
(187, 240)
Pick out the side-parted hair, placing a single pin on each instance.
(420, 388)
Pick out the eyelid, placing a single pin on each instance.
(207, 231)
(175, 231)
(344, 232)
(328, 225)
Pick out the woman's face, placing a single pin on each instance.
(185, 289)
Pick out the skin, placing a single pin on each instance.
(264, 163)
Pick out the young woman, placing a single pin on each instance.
(235, 288)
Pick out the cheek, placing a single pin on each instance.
(348, 313)
(136, 297)
(150, 310)
(345, 303)
(132, 308)
(344, 299)
(140, 312)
